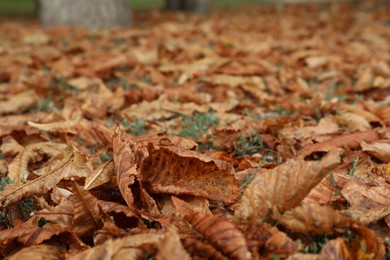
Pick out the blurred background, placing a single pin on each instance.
(27, 7)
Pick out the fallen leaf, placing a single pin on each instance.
(378, 150)
(18, 169)
(176, 171)
(314, 218)
(19, 103)
(348, 140)
(222, 234)
(283, 187)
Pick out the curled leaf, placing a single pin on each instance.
(283, 187)
(18, 169)
(221, 233)
(378, 150)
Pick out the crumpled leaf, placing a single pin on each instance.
(222, 234)
(283, 187)
(29, 233)
(66, 164)
(126, 158)
(18, 169)
(176, 171)
(314, 218)
(378, 150)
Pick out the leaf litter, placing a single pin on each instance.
(256, 133)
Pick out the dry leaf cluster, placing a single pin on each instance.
(256, 133)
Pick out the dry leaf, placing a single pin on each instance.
(336, 249)
(365, 217)
(343, 141)
(314, 218)
(66, 164)
(19, 102)
(18, 169)
(171, 248)
(43, 251)
(100, 176)
(176, 171)
(10, 146)
(378, 150)
(283, 187)
(365, 196)
(222, 234)
(126, 159)
(87, 215)
(113, 249)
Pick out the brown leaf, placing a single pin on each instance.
(87, 215)
(100, 176)
(164, 140)
(176, 171)
(280, 244)
(221, 233)
(48, 252)
(11, 123)
(378, 150)
(171, 247)
(122, 215)
(89, 132)
(303, 256)
(336, 249)
(314, 218)
(202, 250)
(10, 146)
(28, 234)
(365, 217)
(68, 164)
(113, 249)
(61, 215)
(369, 245)
(283, 187)
(366, 195)
(126, 156)
(348, 140)
(18, 169)
(19, 103)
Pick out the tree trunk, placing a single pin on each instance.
(93, 14)
(197, 6)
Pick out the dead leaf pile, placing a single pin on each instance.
(258, 133)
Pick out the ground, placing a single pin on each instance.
(253, 133)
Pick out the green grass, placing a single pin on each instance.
(198, 125)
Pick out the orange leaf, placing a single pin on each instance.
(283, 187)
(176, 171)
(221, 233)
